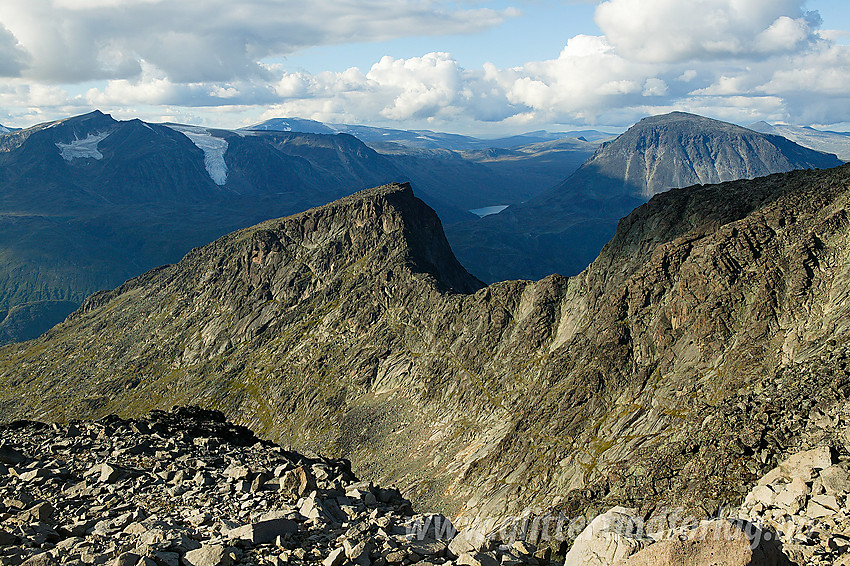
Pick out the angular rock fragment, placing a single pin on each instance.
(263, 531)
(10, 456)
(335, 558)
(210, 555)
(711, 543)
(611, 537)
(41, 512)
(295, 482)
(476, 559)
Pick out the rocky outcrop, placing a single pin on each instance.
(611, 538)
(621, 538)
(797, 513)
(706, 344)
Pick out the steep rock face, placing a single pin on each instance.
(678, 368)
(562, 230)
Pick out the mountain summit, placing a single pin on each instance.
(562, 230)
(680, 149)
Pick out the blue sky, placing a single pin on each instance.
(539, 31)
(470, 66)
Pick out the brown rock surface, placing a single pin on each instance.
(711, 544)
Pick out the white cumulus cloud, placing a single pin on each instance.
(210, 40)
(677, 30)
(207, 60)
(13, 57)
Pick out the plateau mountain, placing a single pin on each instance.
(563, 229)
(831, 142)
(708, 341)
(470, 173)
(423, 139)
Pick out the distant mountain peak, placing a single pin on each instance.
(562, 230)
(93, 117)
(680, 149)
(762, 126)
(292, 125)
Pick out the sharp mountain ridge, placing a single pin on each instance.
(707, 341)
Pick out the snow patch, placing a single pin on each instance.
(488, 210)
(213, 148)
(4, 129)
(82, 148)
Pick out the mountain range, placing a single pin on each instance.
(507, 170)
(562, 230)
(89, 202)
(423, 139)
(707, 341)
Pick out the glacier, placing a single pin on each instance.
(213, 148)
(82, 148)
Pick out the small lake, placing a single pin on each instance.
(488, 210)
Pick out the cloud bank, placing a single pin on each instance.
(741, 61)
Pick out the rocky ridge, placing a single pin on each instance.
(708, 342)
